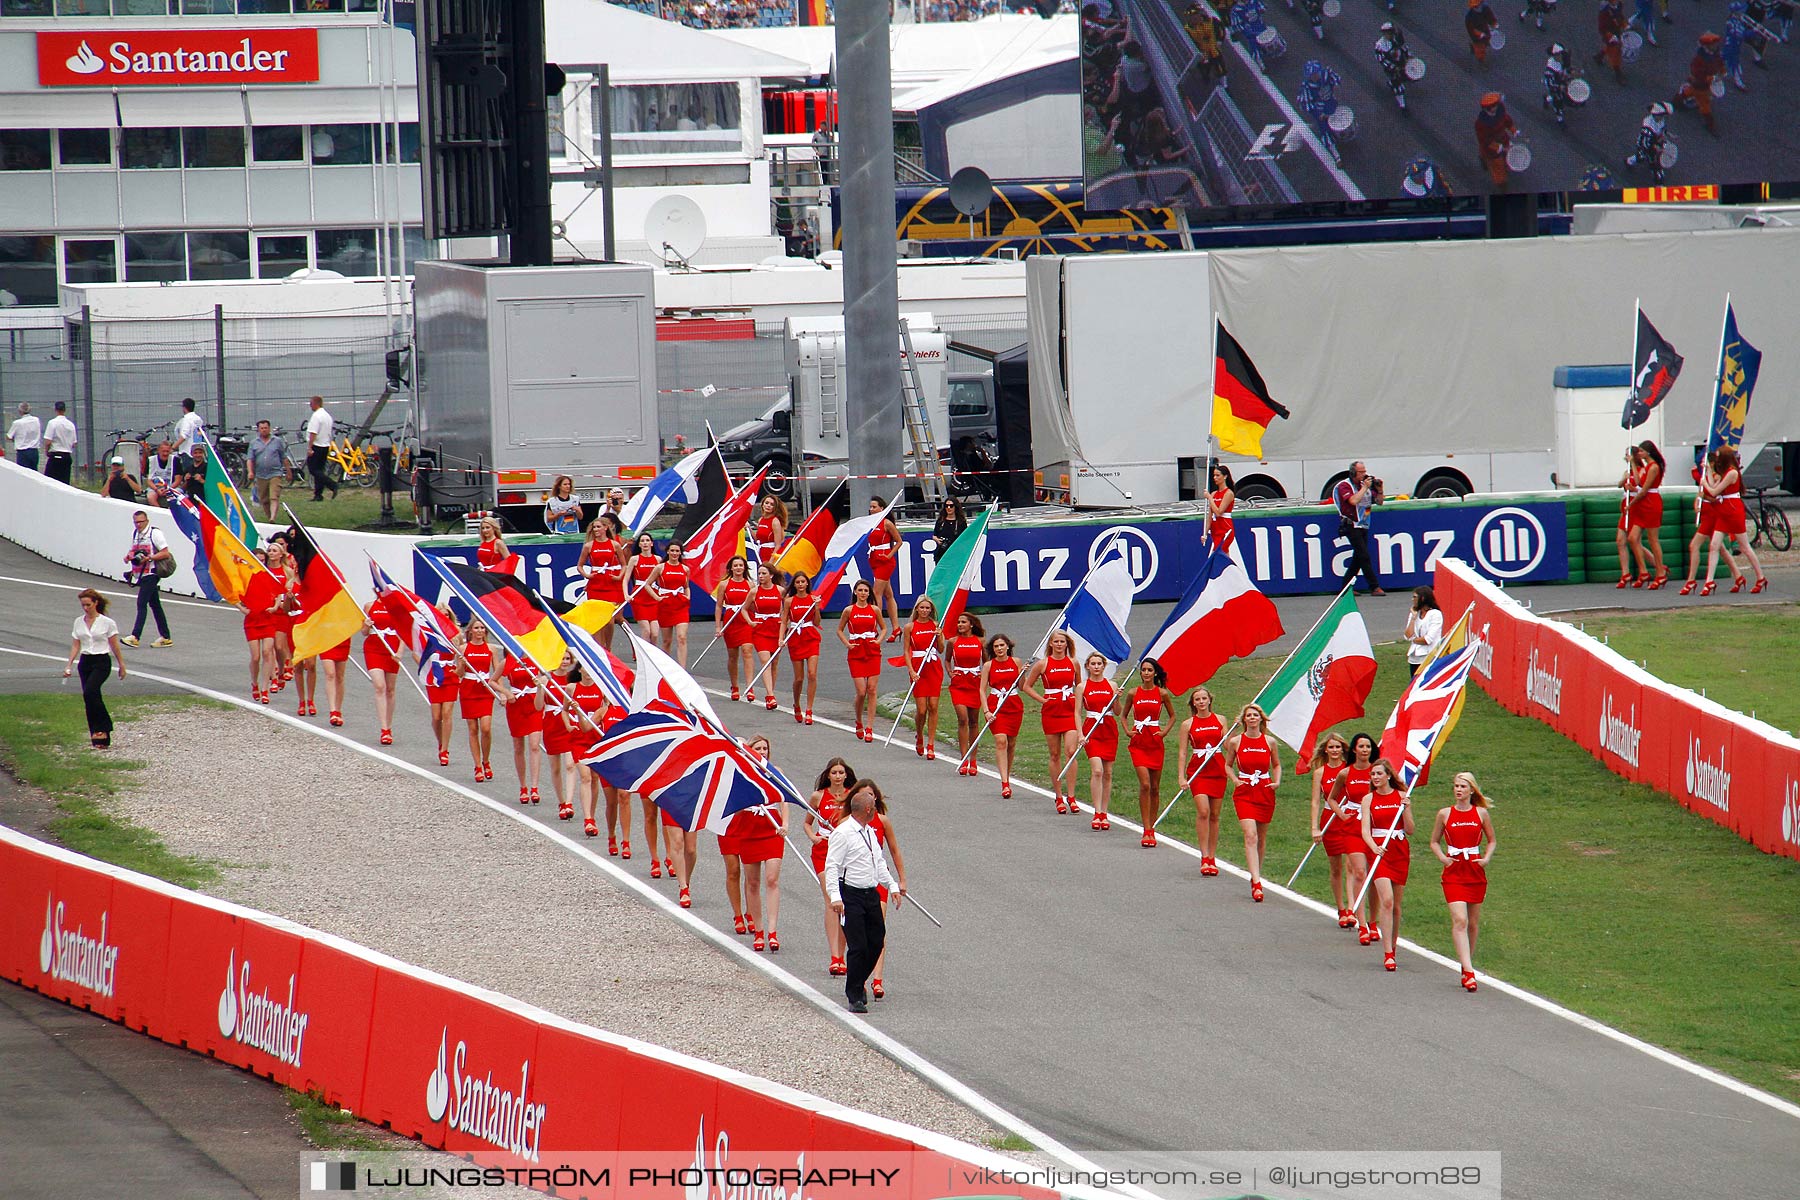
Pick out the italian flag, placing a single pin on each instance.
(957, 566)
(1324, 681)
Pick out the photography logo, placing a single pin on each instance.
(1509, 542)
(331, 1177)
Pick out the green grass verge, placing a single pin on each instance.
(329, 1127)
(1010, 1141)
(1606, 896)
(44, 742)
(1743, 657)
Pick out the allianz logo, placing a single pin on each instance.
(1544, 685)
(256, 1020)
(506, 1120)
(1708, 781)
(71, 956)
(1619, 732)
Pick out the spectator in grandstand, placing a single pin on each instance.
(25, 433)
(59, 445)
(266, 465)
(319, 428)
(120, 484)
(187, 428)
(160, 474)
(93, 644)
(1354, 497)
(562, 511)
(1424, 628)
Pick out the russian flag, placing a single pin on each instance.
(1220, 617)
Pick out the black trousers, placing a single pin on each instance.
(1360, 558)
(865, 933)
(94, 669)
(59, 466)
(149, 589)
(26, 458)
(315, 466)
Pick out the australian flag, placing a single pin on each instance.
(1654, 368)
(698, 774)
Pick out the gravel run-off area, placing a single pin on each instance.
(330, 838)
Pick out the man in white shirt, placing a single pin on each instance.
(319, 430)
(854, 868)
(59, 445)
(187, 429)
(159, 476)
(25, 433)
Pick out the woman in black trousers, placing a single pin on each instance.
(94, 642)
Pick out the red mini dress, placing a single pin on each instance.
(803, 626)
(556, 732)
(765, 619)
(923, 656)
(1003, 681)
(735, 624)
(831, 811)
(767, 544)
(1254, 796)
(644, 600)
(1464, 879)
(1101, 730)
(1057, 715)
(608, 580)
(883, 552)
(965, 671)
(1646, 512)
(1344, 835)
(378, 647)
(1396, 858)
(672, 595)
(862, 625)
(1206, 736)
(523, 717)
(1146, 728)
(477, 700)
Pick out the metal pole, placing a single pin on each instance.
(87, 383)
(871, 278)
(530, 243)
(607, 245)
(219, 361)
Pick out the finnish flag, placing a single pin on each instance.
(679, 482)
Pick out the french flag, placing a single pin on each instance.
(1220, 617)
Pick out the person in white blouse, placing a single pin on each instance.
(1424, 628)
(855, 869)
(93, 644)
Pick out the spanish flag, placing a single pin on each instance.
(1242, 406)
(226, 569)
(517, 617)
(326, 613)
(805, 554)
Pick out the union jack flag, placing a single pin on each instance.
(1429, 707)
(698, 774)
(419, 626)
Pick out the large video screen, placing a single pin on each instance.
(1208, 105)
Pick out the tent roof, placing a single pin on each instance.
(921, 53)
(1037, 43)
(646, 49)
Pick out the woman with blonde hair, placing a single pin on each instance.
(1201, 747)
(491, 554)
(602, 562)
(770, 531)
(1094, 703)
(925, 664)
(1252, 758)
(1330, 759)
(1456, 839)
(1056, 713)
(1387, 823)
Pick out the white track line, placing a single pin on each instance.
(1532, 998)
(792, 984)
(70, 587)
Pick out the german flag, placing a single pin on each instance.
(805, 554)
(517, 617)
(1242, 406)
(326, 611)
(814, 12)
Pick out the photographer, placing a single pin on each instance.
(1354, 497)
(147, 563)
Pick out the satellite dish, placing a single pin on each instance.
(675, 229)
(971, 191)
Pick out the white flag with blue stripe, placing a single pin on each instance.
(1096, 615)
(679, 482)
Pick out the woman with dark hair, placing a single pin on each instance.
(671, 589)
(1348, 797)
(1424, 627)
(1706, 508)
(925, 668)
(1641, 518)
(553, 702)
(1000, 699)
(524, 724)
(1726, 485)
(1219, 503)
(760, 843)
(884, 556)
(93, 643)
(859, 629)
(1093, 710)
(966, 654)
(562, 512)
(1252, 758)
(380, 652)
(645, 562)
(1056, 712)
(767, 606)
(1201, 765)
(1387, 822)
(731, 600)
(770, 531)
(950, 524)
(1330, 759)
(801, 623)
(1149, 703)
(442, 696)
(1456, 839)
(830, 801)
(477, 695)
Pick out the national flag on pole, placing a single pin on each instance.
(805, 552)
(721, 538)
(225, 568)
(597, 663)
(221, 495)
(1654, 368)
(591, 615)
(327, 612)
(846, 542)
(1242, 406)
(679, 484)
(957, 568)
(420, 627)
(1739, 363)
(695, 772)
(1324, 681)
(662, 679)
(1221, 616)
(517, 618)
(1096, 614)
(815, 12)
(1429, 707)
(712, 489)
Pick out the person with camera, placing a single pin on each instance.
(147, 564)
(1354, 497)
(120, 484)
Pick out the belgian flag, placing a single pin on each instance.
(517, 617)
(1242, 406)
(805, 554)
(326, 613)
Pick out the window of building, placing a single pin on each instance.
(149, 149)
(347, 251)
(218, 147)
(83, 8)
(24, 8)
(280, 255)
(968, 399)
(84, 147)
(416, 248)
(24, 149)
(674, 118)
(264, 6)
(143, 8)
(90, 260)
(155, 257)
(409, 142)
(204, 8)
(27, 270)
(278, 143)
(557, 112)
(219, 255)
(342, 145)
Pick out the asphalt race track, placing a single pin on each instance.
(1116, 1000)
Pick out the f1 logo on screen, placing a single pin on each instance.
(1509, 543)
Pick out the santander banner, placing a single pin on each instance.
(161, 57)
(1726, 766)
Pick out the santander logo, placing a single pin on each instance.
(255, 1020)
(1790, 812)
(165, 57)
(1544, 685)
(1708, 781)
(503, 1119)
(85, 62)
(1619, 733)
(1484, 650)
(71, 956)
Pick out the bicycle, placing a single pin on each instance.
(346, 462)
(1768, 520)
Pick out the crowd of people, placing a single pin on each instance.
(764, 14)
(1721, 519)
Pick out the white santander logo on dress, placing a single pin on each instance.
(72, 957)
(1544, 684)
(255, 1020)
(1708, 781)
(85, 62)
(1619, 734)
(503, 1119)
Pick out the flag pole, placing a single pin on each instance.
(1637, 313)
(1005, 695)
(932, 651)
(1381, 850)
(1182, 790)
(1719, 378)
(1309, 850)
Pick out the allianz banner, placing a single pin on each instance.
(1289, 554)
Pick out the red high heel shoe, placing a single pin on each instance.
(1105, 822)
(734, 696)
(919, 743)
(1762, 581)
(756, 943)
(1388, 964)
(612, 847)
(1737, 584)
(524, 796)
(685, 900)
(869, 735)
(771, 704)
(1643, 577)
(443, 758)
(1256, 890)
(1468, 981)
(1687, 589)
(774, 943)
(1210, 866)
(565, 811)
(487, 771)
(1060, 806)
(1006, 791)
(669, 867)
(1095, 823)
(809, 716)
(931, 752)
(799, 717)
(387, 737)
(1624, 582)
(478, 775)
(1661, 580)
(655, 869)
(590, 829)
(1148, 841)
(875, 988)
(1374, 934)
(262, 697)
(837, 967)
(1362, 935)
(737, 922)
(534, 795)
(1706, 589)
(1346, 918)
(625, 848)
(749, 696)
(336, 718)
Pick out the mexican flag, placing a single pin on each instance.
(956, 567)
(1324, 681)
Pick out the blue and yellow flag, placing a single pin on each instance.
(1738, 363)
